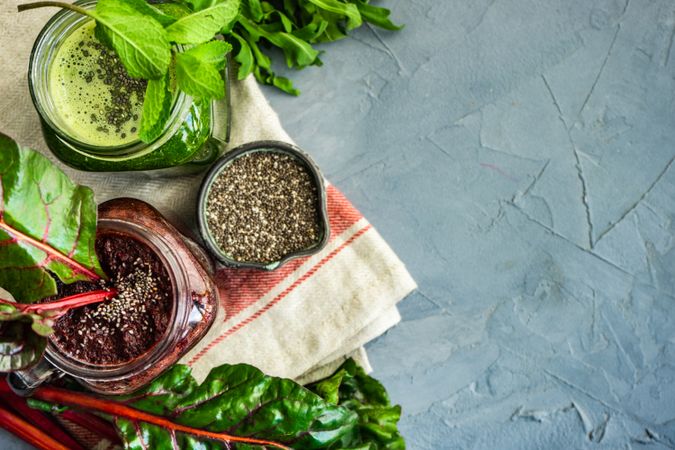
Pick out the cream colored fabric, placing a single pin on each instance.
(327, 308)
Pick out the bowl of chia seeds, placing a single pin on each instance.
(262, 205)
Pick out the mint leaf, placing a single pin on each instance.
(156, 109)
(198, 70)
(202, 25)
(213, 53)
(173, 10)
(153, 11)
(139, 40)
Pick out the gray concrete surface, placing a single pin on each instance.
(518, 157)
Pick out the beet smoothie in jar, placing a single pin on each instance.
(165, 303)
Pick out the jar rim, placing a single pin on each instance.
(179, 313)
(65, 22)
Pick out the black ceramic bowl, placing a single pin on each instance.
(262, 146)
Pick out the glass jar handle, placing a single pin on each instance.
(222, 109)
(24, 382)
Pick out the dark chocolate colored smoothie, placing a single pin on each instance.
(121, 329)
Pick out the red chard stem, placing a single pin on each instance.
(119, 410)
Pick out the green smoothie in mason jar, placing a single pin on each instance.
(90, 108)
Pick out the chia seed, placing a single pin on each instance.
(262, 207)
(115, 111)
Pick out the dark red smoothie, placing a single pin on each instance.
(125, 327)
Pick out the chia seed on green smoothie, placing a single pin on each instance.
(99, 103)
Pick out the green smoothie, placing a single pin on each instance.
(90, 108)
(98, 103)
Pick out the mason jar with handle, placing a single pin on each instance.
(194, 307)
(193, 137)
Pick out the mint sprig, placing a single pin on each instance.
(146, 37)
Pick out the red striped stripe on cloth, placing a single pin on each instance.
(241, 288)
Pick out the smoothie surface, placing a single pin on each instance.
(96, 100)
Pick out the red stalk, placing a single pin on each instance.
(28, 432)
(92, 423)
(116, 409)
(66, 303)
(36, 417)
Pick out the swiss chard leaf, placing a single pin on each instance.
(138, 38)
(202, 25)
(24, 327)
(20, 347)
(351, 388)
(238, 399)
(47, 224)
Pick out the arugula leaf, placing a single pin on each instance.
(156, 109)
(240, 400)
(298, 52)
(244, 57)
(203, 24)
(350, 11)
(351, 388)
(253, 9)
(376, 15)
(47, 225)
(139, 40)
(198, 70)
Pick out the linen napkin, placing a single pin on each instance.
(300, 321)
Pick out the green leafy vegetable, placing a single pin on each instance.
(237, 399)
(212, 53)
(142, 35)
(47, 228)
(244, 57)
(47, 225)
(156, 109)
(348, 10)
(237, 406)
(208, 19)
(24, 328)
(198, 70)
(165, 16)
(351, 388)
(294, 26)
(138, 39)
(20, 347)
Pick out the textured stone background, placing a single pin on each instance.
(517, 155)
